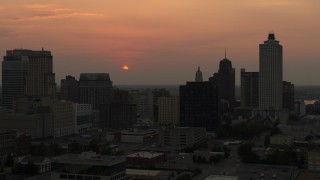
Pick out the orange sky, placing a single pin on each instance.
(163, 41)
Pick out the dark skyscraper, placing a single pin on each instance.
(288, 95)
(69, 89)
(199, 105)
(95, 89)
(27, 72)
(225, 80)
(249, 89)
(198, 75)
(270, 75)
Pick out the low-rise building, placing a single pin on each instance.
(182, 136)
(8, 142)
(314, 160)
(89, 165)
(221, 177)
(43, 164)
(143, 174)
(144, 157)
(132, 136)
(281, 140)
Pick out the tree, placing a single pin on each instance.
(41, 150)
(75, 147)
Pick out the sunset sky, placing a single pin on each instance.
(163, 41)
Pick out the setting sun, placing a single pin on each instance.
(125, 68)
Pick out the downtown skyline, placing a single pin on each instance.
(149, 37)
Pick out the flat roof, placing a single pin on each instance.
(219, 177)
(145, 154)
(99, 160)
(142, 172)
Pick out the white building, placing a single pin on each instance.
(83, 117)
(270, 77)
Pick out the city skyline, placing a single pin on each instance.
(102, 37)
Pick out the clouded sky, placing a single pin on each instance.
(163, 41)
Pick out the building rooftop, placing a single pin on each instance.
(310, 175)
(145, 154)
(218, 177)
(142, 172)
(94, 77)
(89, 158)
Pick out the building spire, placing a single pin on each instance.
(225, 53)
(198, 75)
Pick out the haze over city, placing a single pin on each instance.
(161, 41)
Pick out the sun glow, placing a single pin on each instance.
(126, 68)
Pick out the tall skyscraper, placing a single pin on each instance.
(27, 72)
(198, 75)
(225, 80)
(249, 89)
(270, 77)
(199, 105)
(69, 89)
(95, 89)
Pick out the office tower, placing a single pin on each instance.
(157, 93)
(27, 72)
(199, 105)
(168, 111)
(249, 89)
(117, 115)
(225, 80)
(198, 75)
(69, 89)
(270, 76)
(83, 117)
(144, 102)
(288, 96)
(120, 96)
(95, 89)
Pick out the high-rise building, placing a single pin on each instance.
(69, 89)
(288, 96)
(27, 72)
(168, 111)
(144, 102)
(157, 93)
(198, 75)
(95, 89)
(199, 105)
(270, 75)
(225, 80)
(249, 89)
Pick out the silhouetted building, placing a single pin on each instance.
(225, 80)
(27, 72)
(8, 142)
(144, 102)
(95, 89)
(288, 96)
(117, 115)
(198, 75)
(69, 89)
(249, 89)
(270, 75)
(120, 96)
(157, 93)
(199, 105)
(169, 111)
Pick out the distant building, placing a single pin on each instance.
(221, 177)
(95, 89)
(270, 75)
(300, 108)
(27, 72)
(117, 115)
(120, 96)
(132, 136)
(281, 140)
(314, 160)
(199, 105)
(157, 93)
(69, 89)
(144, 102)
(182, 136)
(249, 89)
(198, 76)
(288, 96)
(8, 142)
(169, 111)
(145, 157)
(89, 165)
(225, 80)
(83, 117)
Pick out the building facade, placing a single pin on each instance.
(83, 119)
(199, 105)
(288, 96)
(95, 89)
(270, 77)
(169, 111)
(249, 89)
(69, 89)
